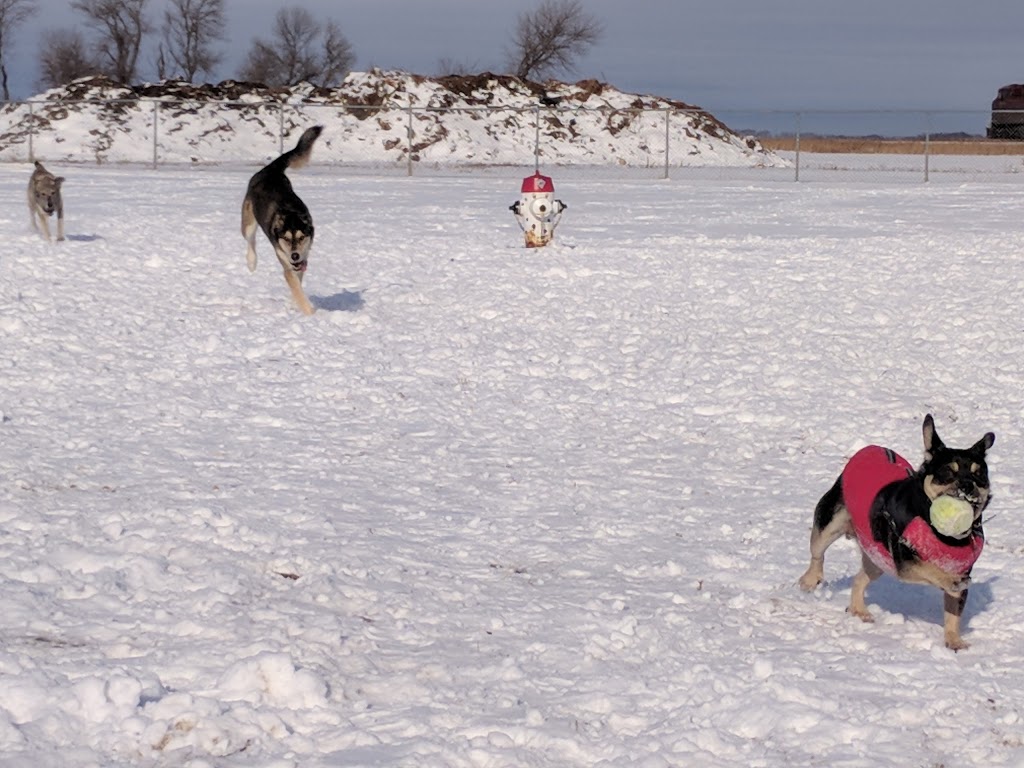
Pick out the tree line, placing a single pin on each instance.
(189, 36)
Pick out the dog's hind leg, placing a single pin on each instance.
(831, 520)
(249, 227)
(295, 284)
(868, 573)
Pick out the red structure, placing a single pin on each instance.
(1008, 113)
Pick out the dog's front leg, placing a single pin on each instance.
(45, 221)
(953, 608)
(954, 597)
(60, 224)
(295, 284)
(929, 573)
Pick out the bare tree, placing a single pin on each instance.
(551, 38)
(261, 65)
(12, 13)
(190, 29)
(63, 57)
(121, 26)
(301, 49)
(337, 56)
(446, 67)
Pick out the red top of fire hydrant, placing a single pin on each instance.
(538, 183)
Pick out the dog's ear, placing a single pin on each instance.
(984, 444)
(58, 180)
(932, 442)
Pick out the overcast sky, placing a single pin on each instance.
(723, 55)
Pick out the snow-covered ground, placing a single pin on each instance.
(493, 506)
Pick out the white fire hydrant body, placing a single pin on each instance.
(537, 211)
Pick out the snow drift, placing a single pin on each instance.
(374, 117)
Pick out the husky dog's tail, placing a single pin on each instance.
(299, 156)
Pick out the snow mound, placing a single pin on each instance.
(374, 117)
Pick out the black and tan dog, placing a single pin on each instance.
(272, 205)
(44, 199)
(888, 507)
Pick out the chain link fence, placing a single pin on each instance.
(893, 145)
(579, 142)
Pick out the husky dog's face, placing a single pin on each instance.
(958, 472)
(46, 191)
(293, 237)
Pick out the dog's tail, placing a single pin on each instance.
(299, 156)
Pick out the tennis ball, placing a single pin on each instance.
(951, 516)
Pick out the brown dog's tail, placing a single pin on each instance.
(299, 156)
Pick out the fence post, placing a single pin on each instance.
(668, 111)
(156, 119)
(280, 129)
(31, 132)
(927, 138)
(796, 147)
(408, 153)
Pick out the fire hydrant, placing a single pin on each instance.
(537, 211)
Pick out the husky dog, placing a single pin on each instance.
(43, 199)
(888, 507)
(271, 203)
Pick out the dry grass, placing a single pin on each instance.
(870, 146)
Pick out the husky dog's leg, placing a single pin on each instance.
(831, 520)
(60, 212)
(294, 281)
(249, 227)
(44, 220)
(32, 208)
(34, 213)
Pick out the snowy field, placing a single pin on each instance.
(495, 507)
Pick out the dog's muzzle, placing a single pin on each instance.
(298, 263)
(971, 497)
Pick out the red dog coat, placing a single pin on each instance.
(865, 475)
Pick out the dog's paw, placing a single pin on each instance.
(813, 576)
(957, 643)
(809, 582)
(861, 613)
